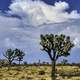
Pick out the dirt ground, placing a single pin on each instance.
(39, 73)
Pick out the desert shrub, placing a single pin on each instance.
(3, 62)
(43, 79)
(18, 68)
(25, 63)
(33, 71)
(69, 75)
(29, 73)
(13, 63)
(22, 77)
(42, 72)
(17, 73)
(29, 78)
(10, 73)
(35, 64)
(1, 75)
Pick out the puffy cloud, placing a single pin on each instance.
(37, 12)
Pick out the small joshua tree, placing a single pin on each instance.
(64, 62)
(56, 46)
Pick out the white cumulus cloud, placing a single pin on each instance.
(37, 12)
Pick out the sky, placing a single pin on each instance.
(22, 22)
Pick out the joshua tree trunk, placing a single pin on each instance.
(53, 70)
(9, 65)
(9, 62)
(19, 62)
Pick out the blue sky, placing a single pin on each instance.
(24, 21)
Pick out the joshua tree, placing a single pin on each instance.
(56, 46)
(10, 55)
(19, 55)
(65, 61)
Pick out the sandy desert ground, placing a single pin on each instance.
(39, 73)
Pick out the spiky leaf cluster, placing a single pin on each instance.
(19, 54)
(10, 55)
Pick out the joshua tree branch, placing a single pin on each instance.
(50, 56)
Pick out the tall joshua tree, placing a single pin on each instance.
(19, 55)
(56, 46)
